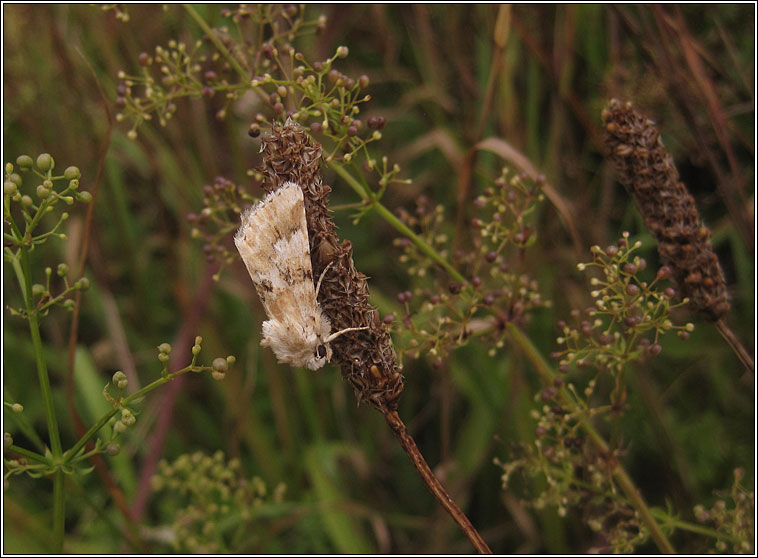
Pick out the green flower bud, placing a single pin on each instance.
(120, 380)
(62, 270)
(45, 162)
(38, 289)
(17, 408)
(9, 188)
(7, 440)
(69, 305)
(68, 199)
(8, 168)
(82, 284)
(119, 427)
(127, 417)
(16, 179)
(84, 197)
(26, 201)
(71, 173)
(218, 376)
(42, 192)
(24, 161)
(112, 449)
(73, 184)
(231, 359)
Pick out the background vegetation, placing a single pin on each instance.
(280, 460)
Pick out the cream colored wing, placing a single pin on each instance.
(273, 243)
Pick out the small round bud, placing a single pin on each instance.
(119, 427)
(69, 305)
(376, 122)
(343, 51)
(84, 197)
(220, 365)
(9, 188)
(363, 81)
(127, 417)
(26, 201)
(164, 348)
(632, 289)
(7, 440)
(143, 59)
(17, 408)
(42, 192)
(254, 130)
(45, 162)
(62, 270)
(112, 449)
(38, 289)
(72, 173)
(231, 359)
(120, 380)
(24, 161)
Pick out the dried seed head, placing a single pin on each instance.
(647, 171)
(367, 357)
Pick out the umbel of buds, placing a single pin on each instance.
(367, 357)
(647, 171)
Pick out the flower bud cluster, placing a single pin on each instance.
(199, 493)
(627, 317)
(441, 316)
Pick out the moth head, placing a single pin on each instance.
(322, 353)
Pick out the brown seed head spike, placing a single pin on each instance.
(367, 357)
(647, 171)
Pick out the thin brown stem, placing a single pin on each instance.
(729, 336)
(439, 491)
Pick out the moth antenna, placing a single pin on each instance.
(323, 273)
(336, 334)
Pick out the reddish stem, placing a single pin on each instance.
(409, 445)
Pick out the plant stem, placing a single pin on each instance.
(59, 511)
(735, 344)
(388, 216)
(59, 501)
(409, 445)
(71, 453)
(619, 474)
(219, 45)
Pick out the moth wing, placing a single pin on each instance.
(273, 243)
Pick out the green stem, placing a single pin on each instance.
(44, 378)
(691, 527)
(33, 455)
(59, 511)
(59, 497)
(76, 448)
(219, 45)
(619, 474)
(388, 216)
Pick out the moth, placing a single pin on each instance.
(273, 243)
